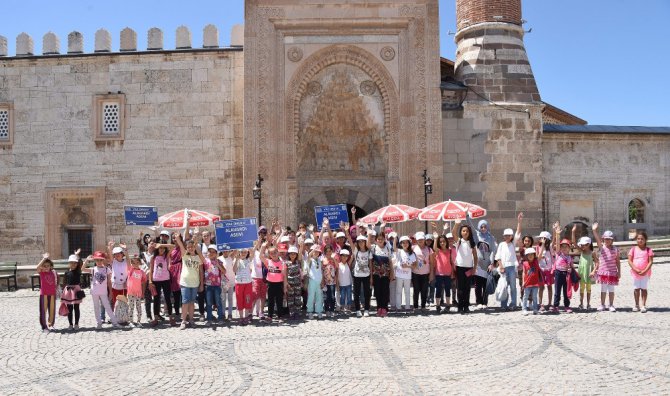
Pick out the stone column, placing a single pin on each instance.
(103, 41)
(210, 37)
(128, 40)
(3, 46)
(183, 37)
(24, 45)
(50, 44)
(155, 39)
(75, 43)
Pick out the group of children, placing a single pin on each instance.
(298, 272)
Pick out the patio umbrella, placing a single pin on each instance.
(451, 210)
(391, 214)
(198, 218)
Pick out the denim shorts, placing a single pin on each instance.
(188, 294)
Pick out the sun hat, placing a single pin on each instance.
(293, 249)
(284, 239)
(98, 255)
(608, 235)
(429, 236)
(212, 246)
(583, 241)
(508, 231)
(117, 250)
(373, 232)
(344, 252)
(419, 235)
(73, 258)
(403, 239)
(309, 240)
(529, 251)
(545, 235)
(282, 247)
(361, 238)
(316, 248)
(393, 235)
(340, 235)
(164, 232)
(565, 241)
(262, 229)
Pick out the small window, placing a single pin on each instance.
(636, 211)
(109, 117)
(6, 124)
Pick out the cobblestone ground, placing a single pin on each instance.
(485, 352)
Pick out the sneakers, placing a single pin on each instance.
(643, 309)
(535, 312)
(99, 326)
(588, 307)
(70, 328)
(45, 331)
(116, 325)
(542, 308)
(580, 307)
(612, 309)
(366, 314)
(313, 316)
(359, 314)
(192, 323)
(320, 316)
(636, 309)
(568, 310)
(601, 308)
(209, 323)
(76, 327)
(183, 325)
(525, 312)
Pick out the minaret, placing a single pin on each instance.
(502, 119)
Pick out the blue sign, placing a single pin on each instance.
(141, 215)
(236, 233)
(334, 213)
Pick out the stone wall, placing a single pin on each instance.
(593, 177)
(182, 145)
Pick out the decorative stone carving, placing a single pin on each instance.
(75, 43)
(3, 46)
(294, 54)
(128, 40)
(155, 39)
(50, 44)
(210, 37)
(24, 45)
(103, 41)
(314, 88)
(183, 37)
(237, 36)
(387, 53)
(368, 87)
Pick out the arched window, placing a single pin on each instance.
(636, 211)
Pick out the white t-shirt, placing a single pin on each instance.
(119, 274)
(257, 269)
(547, 261)
(506, 254)
(228, 265)
(313, 269)
(243, 274)
(464, 256)
(99, 280)
(343, 274)
(402, 257)
(362, 264)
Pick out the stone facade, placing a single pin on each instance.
(376, 59)
(182, 145)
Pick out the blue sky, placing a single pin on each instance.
(606, 61)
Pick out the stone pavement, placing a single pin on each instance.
(487, 352)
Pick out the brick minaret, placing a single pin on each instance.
(504, 105)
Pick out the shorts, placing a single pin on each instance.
(243, 295)
(188, 294)
(585, 286)
(607, 288)
(641, 283)
(259, 289)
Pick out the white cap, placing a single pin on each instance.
(309, 240)
(373, 232)
(212, 246)
(393, 234)
(583, 241)
(340, 235)
(529, 251)
(344, 252)
(545, 235)
(164, 232)
(284, 239)
(429, 236)
(403, 239)
(419, 235)
(117, 250)
(293, 249)
(608, 235)
(449, 235)
(508, 231)
(361, 238)
(73, 258)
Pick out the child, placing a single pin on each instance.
(344, 280)
(507, 262)
(121, 310)
(191, 280)
(101, 285)
(227, 284)
(294, 279)
(315, 283)
(119, 270)
(545, 255)
(243, 289)
(72, 290)
(444, 271)
(586, 259)
(640, 260)
(214, 275)
(531, 279)
(466, 263)
(404, 261)
(608, 267)
(160, 269)
(48, 285)
(277, 280)
(484, 256)
(562, 269)
(137, 280)
(330, 279)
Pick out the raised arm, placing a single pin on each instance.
(557, 236)
(517, 236)
(180, 244)
(596, 234)
(574, 235)
(39, 267)
(454, 230)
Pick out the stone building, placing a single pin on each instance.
(330, 102)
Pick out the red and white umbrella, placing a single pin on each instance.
(391, 214)
(198, 218)
(451, 210)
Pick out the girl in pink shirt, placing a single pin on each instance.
(48, 285)
(137, 279)
(608, 267)
(640, 260)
